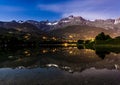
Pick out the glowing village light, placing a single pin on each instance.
(44, 51)
(70, 52)
(44, 38)
(54, 38)
(65, 44)
(70, 36)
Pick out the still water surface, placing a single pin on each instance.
(60, 66)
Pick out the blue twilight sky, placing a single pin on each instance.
(56, 9)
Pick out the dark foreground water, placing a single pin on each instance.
(60, 66)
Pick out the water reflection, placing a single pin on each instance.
(71, 59)
(102, 53)
(66, 65)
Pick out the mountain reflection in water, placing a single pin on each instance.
(62, 57)
(68, 65)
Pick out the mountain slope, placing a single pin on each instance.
(68, 28)
(76, 32)
(21, 29)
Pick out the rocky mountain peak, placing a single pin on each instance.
(73, 19)
(117, 21)
(110, 20)
(20, 21)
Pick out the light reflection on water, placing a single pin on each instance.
(68, 66)
(68, 56)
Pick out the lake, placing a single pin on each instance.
(60, 66)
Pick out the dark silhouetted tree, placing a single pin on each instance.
(81, 41)
(102, 36)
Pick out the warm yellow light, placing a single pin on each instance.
(92, 39)
(26, 52)
(70, 52)
(54, 38)
(70, 36)
(53, 50)
(65, 44)
(70, 40)
(44, 37)
(27, 36)
(88, 51)
(44, 51)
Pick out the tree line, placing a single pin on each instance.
(102, 38)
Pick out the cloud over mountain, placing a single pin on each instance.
(90, 9)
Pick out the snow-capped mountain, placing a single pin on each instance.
(71, 25)
(67, 21)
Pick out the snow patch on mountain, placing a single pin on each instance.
(52, 23)
(117, 21)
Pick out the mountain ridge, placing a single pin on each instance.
(68, 26)
(70, 20)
